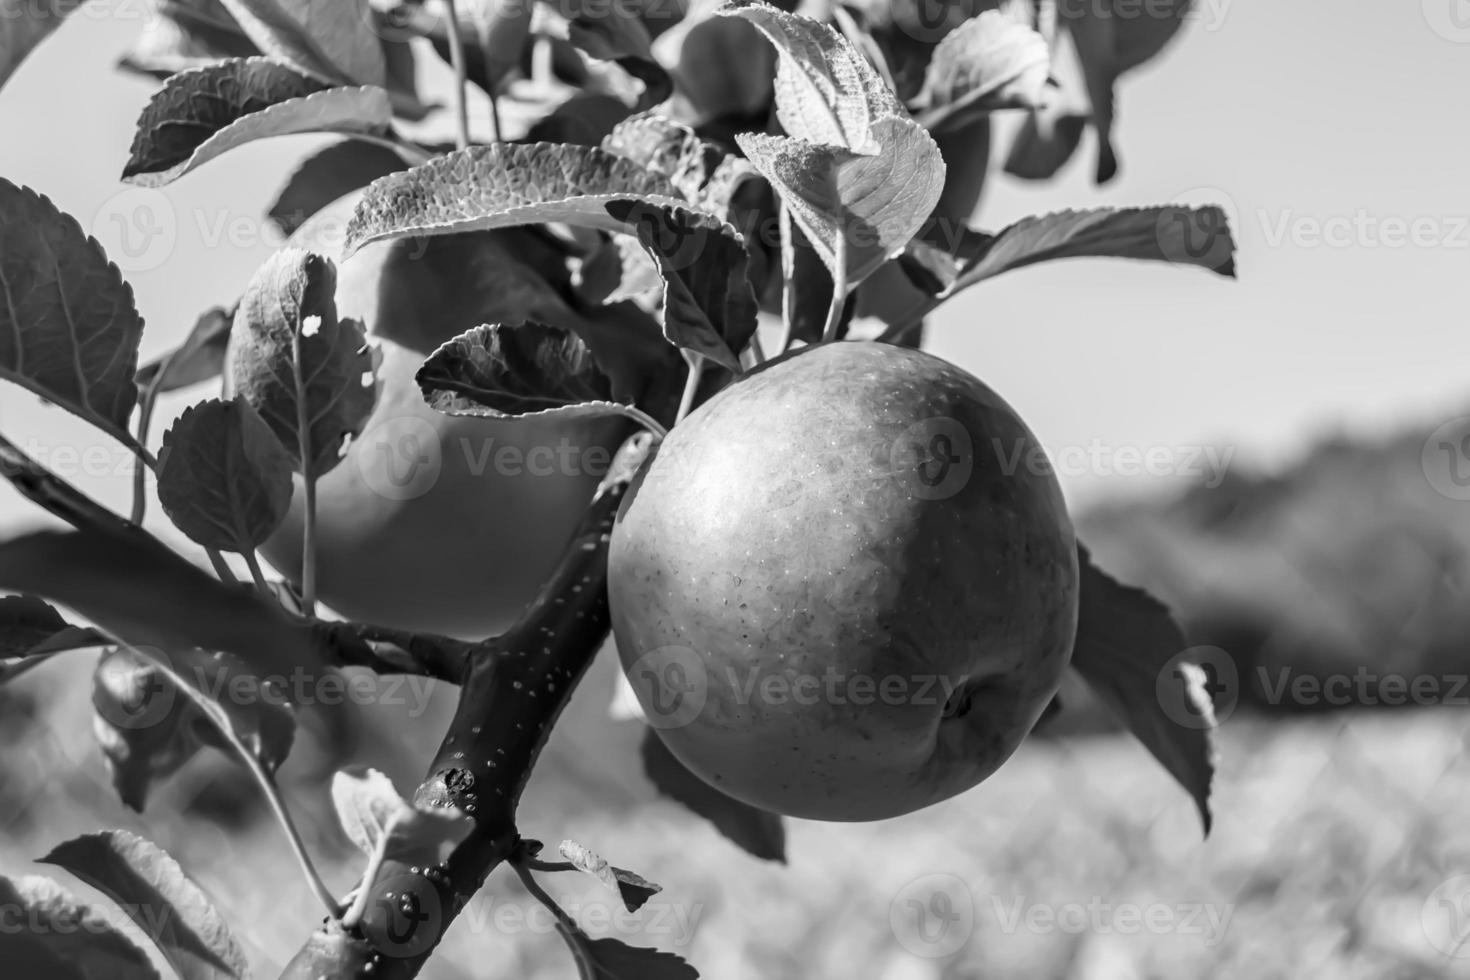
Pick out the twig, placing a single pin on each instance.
(308, 475)
(461, 82)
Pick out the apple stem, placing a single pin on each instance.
(461, 83)
(839, 289)
(691, 384)
(308, 474)
(788, 280)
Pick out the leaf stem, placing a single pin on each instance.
(461, 83)
(411, 154)
(647, 421)
(252, 561)
(839, 289)
(308, 475)
(788, 280)
(691, 384)
(523, 872)
(222, 569)
(495, 117)
(145, 421)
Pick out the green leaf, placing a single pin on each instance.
(142, 593)
(988, 63)
(184, 34)
(84, 943)
(633, 889)
(68, 328)
(1128, 649)
(708, 304)
(160, 899)
(721, 70)
(326, 176)
(25, 26)
(499, 371)
(613, 959)
(367, 803)
(333, 42)
(224, 478)
(1168, 233)
(502, 185)
(756, 831)
(29, 627)
(290, 354)
(702, 172)
(199, 358)
(615, 32)
(877, 201)
(826, 91)
(145, 730)
(204, 112)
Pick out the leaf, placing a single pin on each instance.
(366, 803)
(499, 371)
(1109, 41)
(333, 42)
(878, 202)
(988, 63)
(1126, 644)
(502, 185)
(184, 34)
(615, 32)
(826, 91)
(139, 591)
(30, 627)
(702, 172)
(633, 889)
(145, 730)
(204, 112)
(160, 899)
(415, 836)
(326, 176)
(292, 354)
(68, 328)
(709, 306)
(1168, 233)
(720, 69)
(82, 940)
(758, 832)
(613, 959)
(235, 699)
(199, 358)
(224, 478)
(24, 27)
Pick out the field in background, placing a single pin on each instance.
(1079, 860)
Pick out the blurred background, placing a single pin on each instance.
(1284, 458)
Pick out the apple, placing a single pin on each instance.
(845, 588)
(452, 524)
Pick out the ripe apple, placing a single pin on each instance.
(845, 587)
(452, 524)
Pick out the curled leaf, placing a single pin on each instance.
(990, 62)
(204, 112)
(634, 890)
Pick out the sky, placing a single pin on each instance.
(1325, 138)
